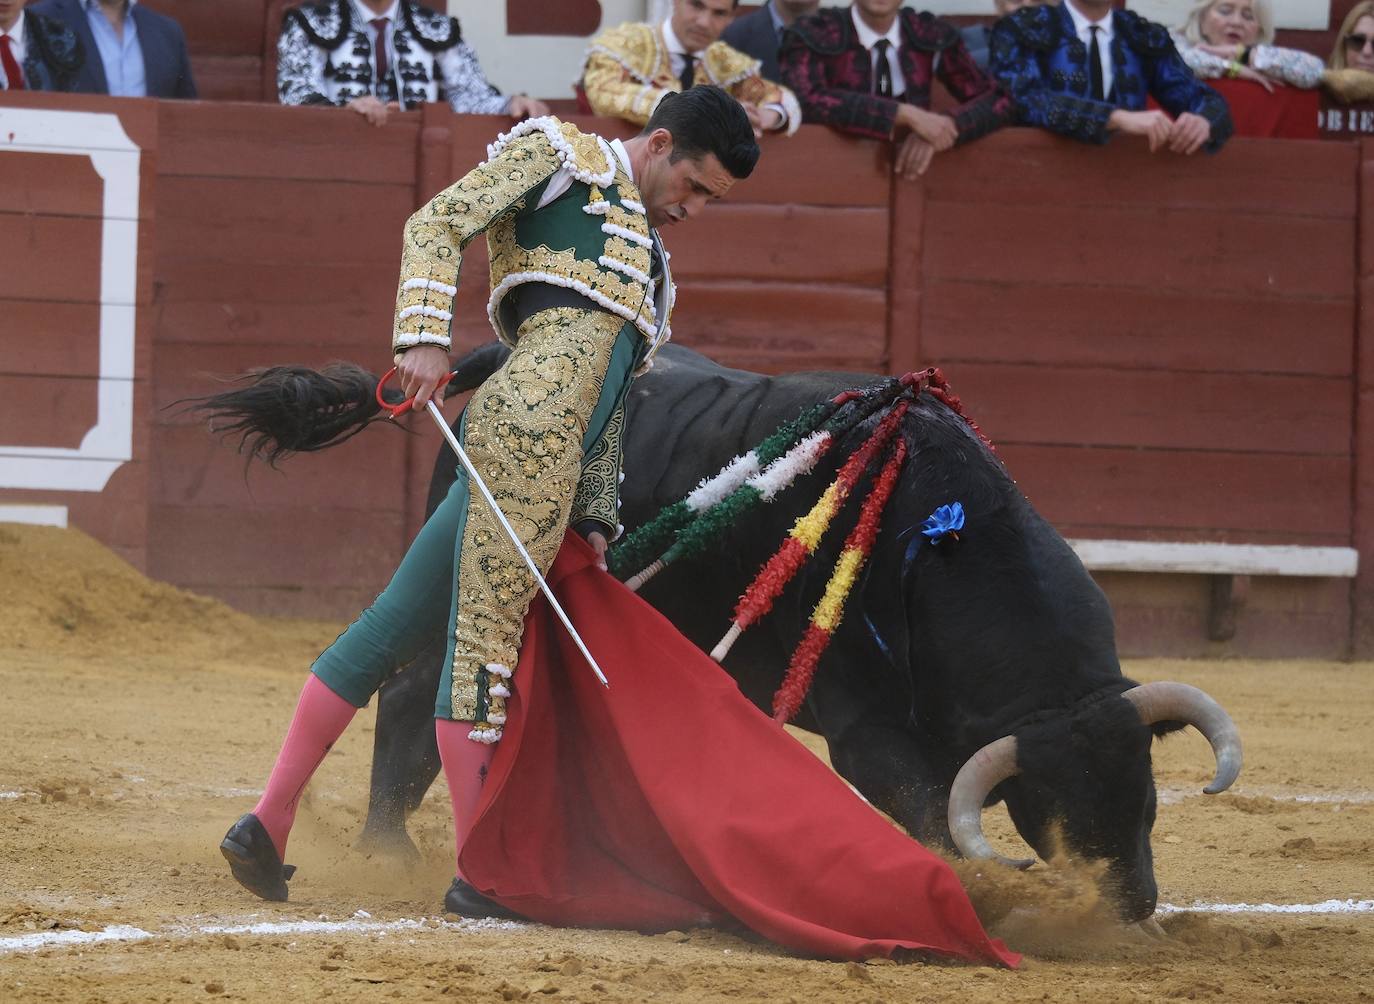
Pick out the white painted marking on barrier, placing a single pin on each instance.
(1325, 907)
(35, 515)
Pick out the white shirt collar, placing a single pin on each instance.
(129, 5)
(868, 38)
(364, 14)
(671, 40)
(624, 156)
(1083, 27)
(16, 33)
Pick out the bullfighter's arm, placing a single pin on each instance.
(300, 66)
(598, 491)
(1177, 90)
(617, 74)
(983, 104)
(464, 86)
(1014, 64)
(436, 235)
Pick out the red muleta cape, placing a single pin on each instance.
(670, 801)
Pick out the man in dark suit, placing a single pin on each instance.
(36, 52)
(1085, 70)
(759, 34)
(131, 51)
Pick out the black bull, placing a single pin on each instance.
(994, 653)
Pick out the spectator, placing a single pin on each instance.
(1234, 38)
(630, 68)
(978, 37)
(868, 70)
(36, 52)
(1351, 67)
(373, 56)
(131, 51)
(759, 34)
(1086, 71)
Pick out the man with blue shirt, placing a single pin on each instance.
(759, 33)
(131, 52)
(1085, 71)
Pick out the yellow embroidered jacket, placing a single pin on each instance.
(593, 239)
(629, 69)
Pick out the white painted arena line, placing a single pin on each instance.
(1173, 794)
(360, 923)
(1329, 906)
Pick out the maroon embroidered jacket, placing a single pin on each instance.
(831, 73)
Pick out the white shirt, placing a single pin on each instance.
(677, 52)
(362, 15)
(1084, 28)
(17, 49)
(868, 38)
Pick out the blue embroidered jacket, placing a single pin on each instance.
(1039, 58)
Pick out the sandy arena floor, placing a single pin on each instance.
(139, 721)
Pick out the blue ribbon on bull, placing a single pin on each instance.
(945, 520)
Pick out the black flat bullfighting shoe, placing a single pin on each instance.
(253, 859)
(466, 901)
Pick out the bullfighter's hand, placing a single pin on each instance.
(912, 157)
(420, 369)
(371, 109)
(1189, 133)
(1155, 126)
(590, 530)
(522, 106)
(936, 129)
(755, 117)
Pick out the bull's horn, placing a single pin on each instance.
(985, 770)
(1179, 702)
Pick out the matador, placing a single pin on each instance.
(581, 292)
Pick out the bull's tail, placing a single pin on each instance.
(283, 410)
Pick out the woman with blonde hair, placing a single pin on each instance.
(1234, 38)
(1351, 73)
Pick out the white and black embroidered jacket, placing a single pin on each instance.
(325, 57)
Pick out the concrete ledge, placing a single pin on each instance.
(1216, 559)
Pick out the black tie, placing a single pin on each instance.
(884, 87)
(689, 70)
(1095, 67)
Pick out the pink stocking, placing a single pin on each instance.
(321, 717)
(465, 768)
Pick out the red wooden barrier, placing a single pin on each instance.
(1163, 348)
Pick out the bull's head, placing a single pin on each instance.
(1086, 776)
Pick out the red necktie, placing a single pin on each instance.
(379, 46)
(13, 75)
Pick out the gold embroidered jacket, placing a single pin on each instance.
(629, 69)
(594, 239)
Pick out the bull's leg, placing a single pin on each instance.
(405, 756)
(882, 759)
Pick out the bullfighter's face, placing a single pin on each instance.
(677, 190)
(698, 23)
(1230, 22)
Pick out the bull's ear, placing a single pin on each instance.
(1162, 729)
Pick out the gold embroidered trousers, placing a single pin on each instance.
(527, 430)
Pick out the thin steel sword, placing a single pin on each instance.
(457, 448)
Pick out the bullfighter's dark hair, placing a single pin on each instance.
(704, 119)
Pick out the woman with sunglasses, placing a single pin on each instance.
(1234, 38)
(1351, 73)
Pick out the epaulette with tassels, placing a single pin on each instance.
(687, 527)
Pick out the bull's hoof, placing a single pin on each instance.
(466, 901)
(254, 861)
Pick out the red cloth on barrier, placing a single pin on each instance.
(671, 801)
(1288, 113)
